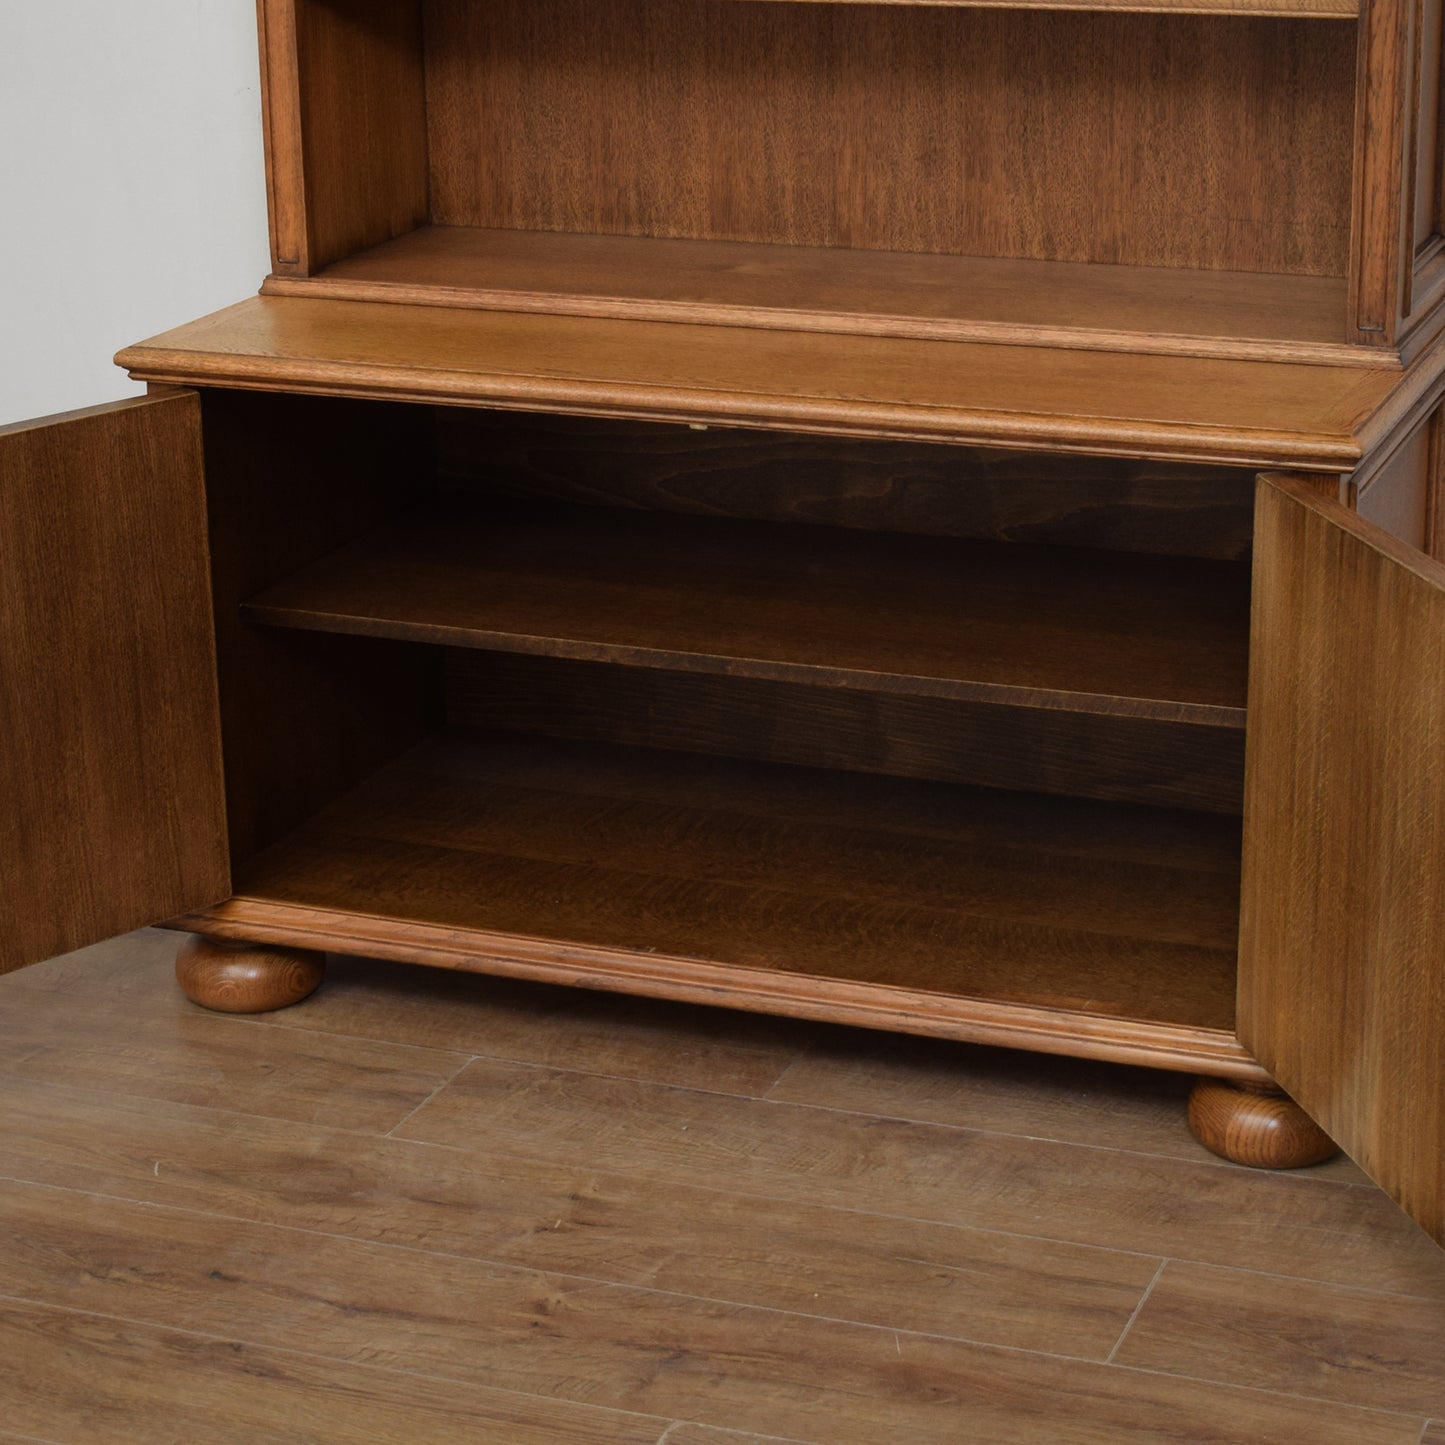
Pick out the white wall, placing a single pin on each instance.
(132, 187)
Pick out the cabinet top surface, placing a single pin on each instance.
(1175, 407)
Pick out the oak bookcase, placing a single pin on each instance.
(923, 515)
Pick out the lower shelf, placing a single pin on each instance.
(1049, 923)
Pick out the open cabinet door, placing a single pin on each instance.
(1342, 941)
(112, 813)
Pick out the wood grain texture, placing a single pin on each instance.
(880, 293)
(258, 1231)
(953, 1279)
(68, 1375)
(1073, 630)
(652, 871)
(241, 980)
(1256, 1126)
(1341, 988)
(872, 1268)
(1174, 408)
(906, 129)
(111, 807)
(1321, 8)
(932, 1082)
(1331, 1232)
(574, 1341)
(947, 491)
(1324, 1341)
(1085, 755)
(281, 130)
(362, 118)
(1377, 240)
(965, 1018)
(183, 1055)
(1399, 495)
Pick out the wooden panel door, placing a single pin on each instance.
(1342, 942)
(111, 805)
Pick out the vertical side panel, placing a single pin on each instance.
(111, 805)
(1382, 98)
(1397, 260)
(281, 123)
(363, 123)
(1342, 931)
(1398, 496)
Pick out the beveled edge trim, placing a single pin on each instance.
(903, 421)
(1175, 1047)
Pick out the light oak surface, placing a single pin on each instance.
(1175, 407)
(177, 1271)
(1342, 985)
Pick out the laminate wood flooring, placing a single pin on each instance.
(427, 1207)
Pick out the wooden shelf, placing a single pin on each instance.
(1175, 408)
(1104, 928)
(1042, 627)
(880, 293)
(1307, 9)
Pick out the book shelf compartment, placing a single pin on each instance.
(848, 167)
(1070, 629)
(1110, 926)
(676, 739)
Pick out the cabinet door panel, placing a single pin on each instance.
(111, 806)
(1342, 942)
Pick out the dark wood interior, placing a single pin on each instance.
(899, 716)
(1108, 910)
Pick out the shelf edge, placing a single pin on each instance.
(830, 416)
(999, 694)
(1175, 1047)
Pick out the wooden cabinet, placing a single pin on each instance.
(898, 513)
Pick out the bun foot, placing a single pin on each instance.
(1257, 1125)
(244, 978)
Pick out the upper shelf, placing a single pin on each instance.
(1054, 627)
(1183, 408)
(1312, 9)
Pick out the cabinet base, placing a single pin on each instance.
(1257, 1125)
(242, 978)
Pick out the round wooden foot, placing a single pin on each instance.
(243, 978)
(1257, 1125)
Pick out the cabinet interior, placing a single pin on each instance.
(1085, 177)
(913, 717)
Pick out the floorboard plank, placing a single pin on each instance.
(562, 1339)
(1335, 1233)
(628, 1225)
(101, 1381)
(994, 1288)
(1037, 1096)
(682, 1434)
(184, 1055)
(1317, 1340)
